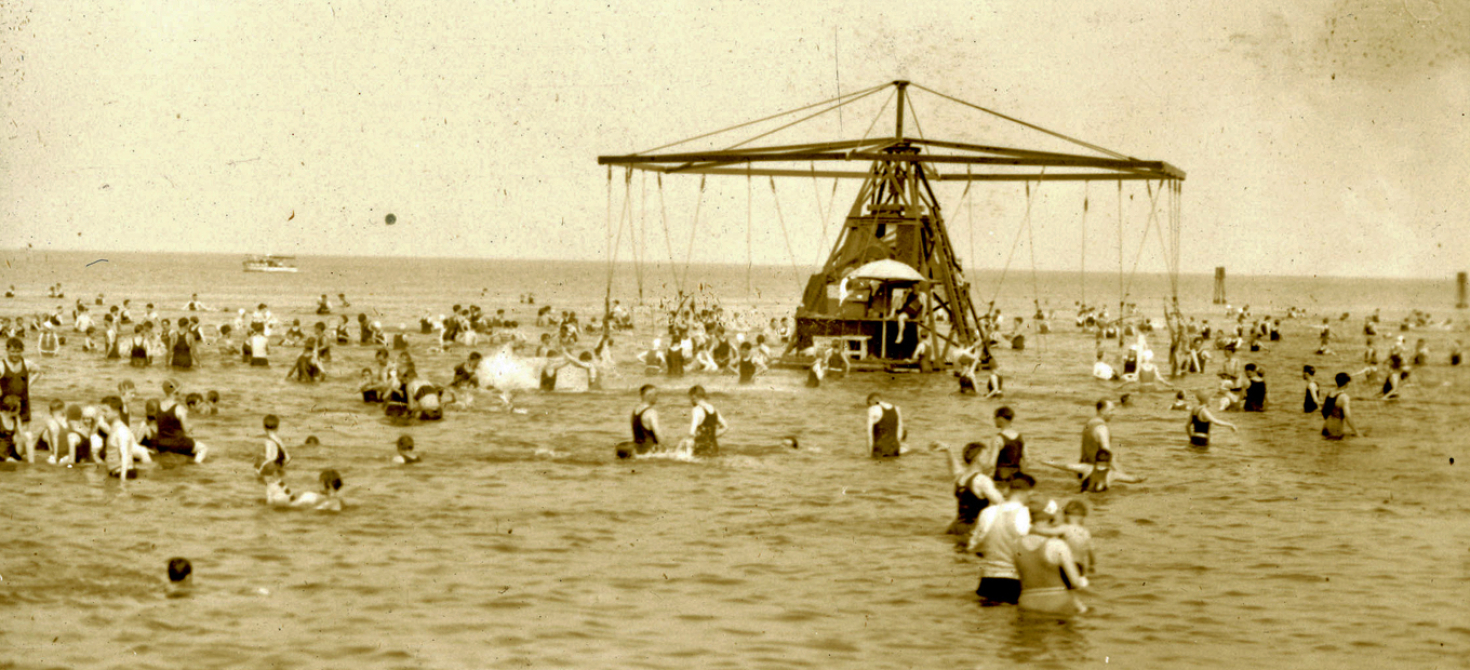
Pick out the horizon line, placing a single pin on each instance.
(1451, 276)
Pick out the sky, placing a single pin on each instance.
(1323, 137)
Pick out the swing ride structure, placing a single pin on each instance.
(893, 279)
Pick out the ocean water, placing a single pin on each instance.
(521, 542)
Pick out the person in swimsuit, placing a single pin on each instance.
(1255, 389)
(706, 425)
(885, 428)
(273, 451)
(405, 455)
(15, 442)
(749, 364)
(1455, 355)
(644, 421)
(995, 539)
(1096, 434)
(172, 435)
(1009, 447)
(181, 351)
(1337, 419)
(1099, 475)
(972, 470)
(121, 449)
(52, 438)
(1197, 426)
(1046, 567)
(1313, 399)
(1074, 532)
(17, 374)
(328, 500)
(467, 373)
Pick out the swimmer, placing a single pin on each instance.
(328, 500)
(172, 433)
(14, 440)
(1199, 422)
(121, 449)
(996, 538)
(972, 469)
(17, 375)
(645, 425)
(706, 425)
(467, 373)
(1337, 418)
(1179, 401)
(273, 450)
(405, 454)
(1046, 568)
(1074, 532)
(369, 386)
(180, 577)
(1099, 475)
(1009, 447)
(52, 438)
(1313, 399)
(885, 428)
(1255, 389)
(277, 494)
(994, 384)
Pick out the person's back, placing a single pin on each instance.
(996, 538)
(886, 440)
(1092, 433)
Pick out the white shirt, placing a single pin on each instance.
(1102, 370)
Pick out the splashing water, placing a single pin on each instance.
(506, 371)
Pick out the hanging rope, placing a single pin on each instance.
(795, 271)
(970, 213)
(640, 254)
(749, 238)
(1082, 272)
(608, 229)
(851, 97)
(668, 239)
(1153, 199)
(693, 230)
(1120, 263)
(1025, 225)
(1031, 243)
(617, 240)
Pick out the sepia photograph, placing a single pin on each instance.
(389, 334)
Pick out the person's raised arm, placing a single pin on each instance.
(1079, 468)
(952, 455)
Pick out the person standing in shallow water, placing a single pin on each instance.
(885, 428)
(1337, 418)
(705, 424)
(1096, 434)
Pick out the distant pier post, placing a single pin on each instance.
(1464, 300)
(1220, 285)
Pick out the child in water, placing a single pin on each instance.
(1074, 532)
(329, 499)
(1097, 476)
(405, 451)
(277, 494)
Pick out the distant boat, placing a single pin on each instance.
(269, 263)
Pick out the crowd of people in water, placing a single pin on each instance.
(1033, 551)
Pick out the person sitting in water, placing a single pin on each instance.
(121, 449)
(329, 499)
(1393, 384)
(645, 425)
(426, 400)
(1101, 369)
(972, 470)
(277, 494)
(405, 454)
(1179, 401)
(885, 428)
(467, 373)
(172, 434)
(368, 386)
(994, 383)
(1046, 567)
(323, 305)
(53, 436)
(749, 364)
(15, 441)
(1199, 422)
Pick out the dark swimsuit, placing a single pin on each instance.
(17, 382)
(969, 506)
(706, 443)
(170, 437)
(183, 353)
(1199, 435)
(1008, 461)
(885, 434)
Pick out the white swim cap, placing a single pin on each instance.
(89, 412)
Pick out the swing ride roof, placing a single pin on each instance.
(941, 160)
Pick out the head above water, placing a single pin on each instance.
(331, 481)
(405, 443)
(1105, 408)
(1342, 379)
(648, 392)
(179, 570)
(697, 393)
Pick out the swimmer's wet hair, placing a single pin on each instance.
(405, 442)
(56, 405)
(272, 422)
(1005, 413)
(1309, 370)
(114, 402)
(697, 391)
(1343, 378)
(1022, 482)
(646, 388)
(179, 569)
(311, 439)
(972, 451)
(1075, 508)
(331, 479)
(212, 396)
